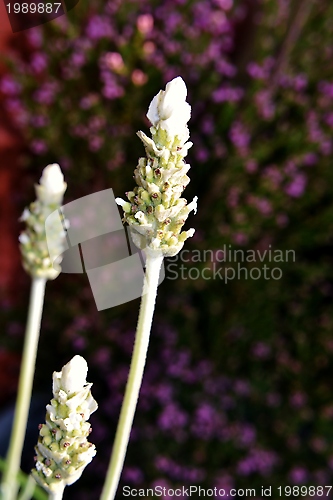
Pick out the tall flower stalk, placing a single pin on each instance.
(36, 261)
(156, 214)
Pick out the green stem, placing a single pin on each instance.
(9, 485)
(153, 266)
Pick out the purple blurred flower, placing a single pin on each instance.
(38, 146)
(258, 461)
(9, 86)
(296, 187)
(227, 94)
(298, 475)
(172, 417)
(47, 92)
(99, 27)
(326, 88)
(38, 62)
(240, 137)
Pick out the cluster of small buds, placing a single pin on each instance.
(35, 248)
(155, 210)
(63, 451)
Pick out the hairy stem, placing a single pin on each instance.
(153, 266)
(9, 487)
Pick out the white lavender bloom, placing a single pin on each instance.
(51, 186)
(155, 210)
(63, 451)
(34, 247)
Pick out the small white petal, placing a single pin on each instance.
(24, 238)
(193, 205)
(74, 375)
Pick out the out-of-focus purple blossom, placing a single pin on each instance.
(164, 392)
(282, 220)
(78, 59)
(259, 461)
(89, 100)
(315, 132)
(224, 4)
(149, 48)
(99, 27)
(240, 137)
(261, 350)
(96, 123)
(257, 71)
(207, 125)
(95, 143)
(251, 166)
(139, 77)
(225, 484)
(329, 119)
(225, 68)
(133, 475)
(298, 400)
(145, 23)
(35, 37)
(15, 107)
(9, 86)
(80, 131)
(242, 387)
(38, 146)
(102, 356)
(274, 175)
(326, 88)
(202, 154)
(227, 94)
(290, 167)
(219, 23)
(264, 206)
(296, 187)
(206, 422)
(39, 121)
(112, 91)
(233, 197)
(79, 343)
(310, 159)
(246, 435)
(112, 61)
(38, 62)
(265, 105)
(47, 92)
(326, 147)
(172, 417)
(179, 472)
(240, 238)
(300, 83)
(298, 475)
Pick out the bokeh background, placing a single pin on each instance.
(238, 386)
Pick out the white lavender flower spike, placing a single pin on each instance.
(33, 244)
(155, 210)
(63, 451)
